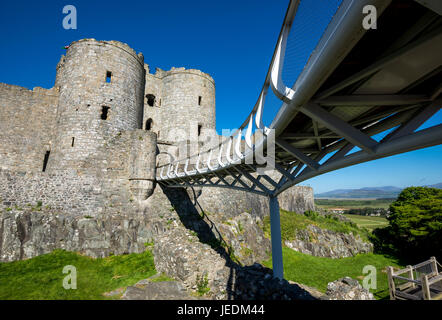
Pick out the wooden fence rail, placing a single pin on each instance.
(419, 282)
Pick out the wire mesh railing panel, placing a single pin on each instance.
(311, 20)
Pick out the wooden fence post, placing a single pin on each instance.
(425, 287)
(411, 275)
(391, 286)
(434, 266)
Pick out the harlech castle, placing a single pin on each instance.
(77, 167)
(103, 119)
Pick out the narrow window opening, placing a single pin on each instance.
(46, 159)
(160, 103)
(108, 76)
(104, 112)
(73, 142)
(199, 129)
(199, 100)
(150, 99)
(149, 124)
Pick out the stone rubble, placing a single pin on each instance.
(347, 289)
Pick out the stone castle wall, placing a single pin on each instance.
(68, 130)
(63, 191)
(118, 180)
(125, 167)
(27, 119)
(71, 134)
(153, 113)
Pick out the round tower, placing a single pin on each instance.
(188, 103)
(101, 86)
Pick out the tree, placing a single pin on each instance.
(415, 224)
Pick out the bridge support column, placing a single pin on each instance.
(275, 229)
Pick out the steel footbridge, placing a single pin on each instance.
(363, 94)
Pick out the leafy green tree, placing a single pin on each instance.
(415, 224)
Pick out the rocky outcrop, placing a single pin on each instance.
(244, 237)
(186, 259)
(34, 230)
(211, 249)
(297, 199)
(194, 243)
(326, 243)
(182, 257)
(26, 234)
(347, 289)
(192, 262)
(189, 244)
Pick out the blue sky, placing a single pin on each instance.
(231, 40)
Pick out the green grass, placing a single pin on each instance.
(292, 222)
(353, 204)
(42, 277)
(317, 272)
(368, 222)
(161, 278)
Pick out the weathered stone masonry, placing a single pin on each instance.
(181, 105)
(27, 119)
(63, 191)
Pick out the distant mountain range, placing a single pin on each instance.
(368, 192)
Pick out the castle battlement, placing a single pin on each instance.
(160, 73)
(10, 88)
(118, 44)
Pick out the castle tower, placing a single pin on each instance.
(186, 102)
(101, 86)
